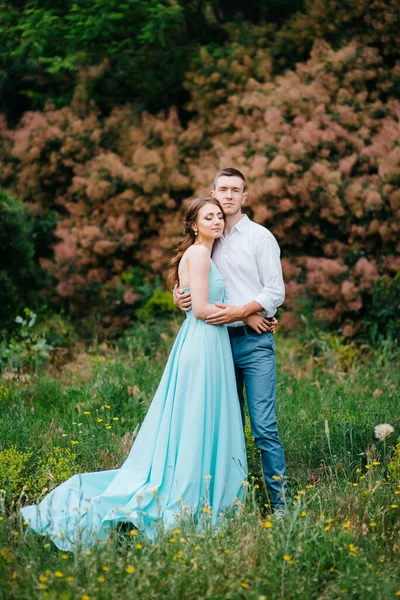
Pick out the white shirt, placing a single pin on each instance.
(248, 259)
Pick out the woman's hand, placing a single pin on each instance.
(261, 324)
(182, 300)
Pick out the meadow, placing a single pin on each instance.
(340, 538)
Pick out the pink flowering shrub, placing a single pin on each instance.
(319, 146)
(321, 152)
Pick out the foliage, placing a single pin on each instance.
(383, 319)
(394, 464)
(338, 22)
(46, 48)
(17, 268)
(23, 474)
(13, 470)
(48, 45)
(29, 348)
(159, 305)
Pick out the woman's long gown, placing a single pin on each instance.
(190, 450)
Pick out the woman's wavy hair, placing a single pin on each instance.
(192, 213)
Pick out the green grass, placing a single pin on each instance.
(341, 538)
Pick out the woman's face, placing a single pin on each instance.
(210, 222)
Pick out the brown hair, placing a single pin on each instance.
(192, 213)
(230, 172)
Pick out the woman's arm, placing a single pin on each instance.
(199, 270)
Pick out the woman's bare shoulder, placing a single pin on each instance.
(198, 252)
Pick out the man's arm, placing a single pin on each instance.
(269, 266)
(182, 300)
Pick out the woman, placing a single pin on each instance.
(190, 450)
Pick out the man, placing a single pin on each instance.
(248, 258)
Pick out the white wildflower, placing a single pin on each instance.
(383, 430)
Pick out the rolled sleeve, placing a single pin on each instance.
(269, 267)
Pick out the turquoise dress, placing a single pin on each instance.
(188, 459)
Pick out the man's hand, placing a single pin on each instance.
(227, 314)
(182, 300)
(261, 324)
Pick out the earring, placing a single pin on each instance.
(195, 233)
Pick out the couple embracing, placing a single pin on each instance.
(190, 451)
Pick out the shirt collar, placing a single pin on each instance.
(241, 225)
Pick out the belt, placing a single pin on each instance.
(240, 331)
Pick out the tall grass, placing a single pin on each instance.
(339, 539)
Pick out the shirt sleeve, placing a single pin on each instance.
(269, 268)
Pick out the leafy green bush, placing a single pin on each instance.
(14, 471)
(54, 467)
(28, 348)
(25, 472)
(159, 305)
(17, 268)
(383, 318)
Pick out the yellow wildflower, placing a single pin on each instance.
(139, 546)
(244, 585)
(130, 569)
(267, 524)
(59, 574)
(133, 532)
(101, 579)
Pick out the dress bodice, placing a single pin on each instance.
(216, 287)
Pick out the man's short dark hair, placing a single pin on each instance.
(230, 172)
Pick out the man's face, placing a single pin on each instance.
(230, 192)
